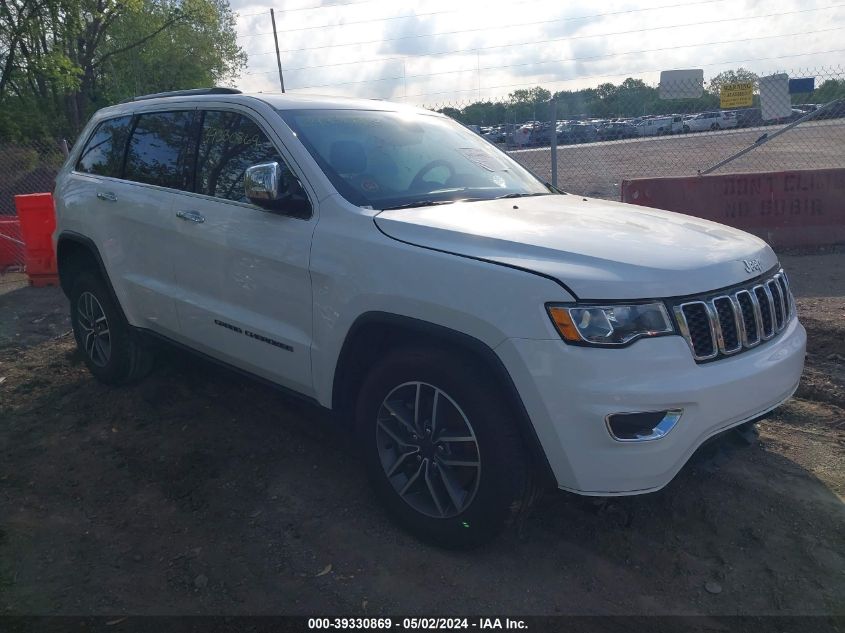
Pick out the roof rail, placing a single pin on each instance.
(216, 90)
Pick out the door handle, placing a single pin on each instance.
(108, 196)
(191, 216)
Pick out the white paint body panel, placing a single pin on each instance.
(598, 248)
(135, 238)
(484, 269)
(569, 390)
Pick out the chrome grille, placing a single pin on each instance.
(726, 323)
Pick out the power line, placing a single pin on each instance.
(554, 61)
(316, 6)
(249, 15)
(629, 73)
(535, 42)
(395, 17)
(610, 55)
(516, 2)
(531, 83)
(656, 28)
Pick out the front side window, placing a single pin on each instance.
(388, 159)
(229, 144)
(160, 149)
(103, 154)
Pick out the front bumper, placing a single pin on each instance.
(568, 391)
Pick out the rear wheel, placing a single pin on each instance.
(111, 350)
(440, 448)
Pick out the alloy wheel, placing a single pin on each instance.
(428, 449)
(96, 337)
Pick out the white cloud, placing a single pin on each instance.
(436, 51)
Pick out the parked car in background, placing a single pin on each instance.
(835, 111)
(710, 121)
(522, 135)
(748, 117)
(494, 134)
(796, 114)
(573, 133)
(617, 130)
(659, 126)
(541, 134)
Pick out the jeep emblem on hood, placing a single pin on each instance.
(752, 264)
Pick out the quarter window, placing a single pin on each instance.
(103, 154)
(160, 149)
(229, 144)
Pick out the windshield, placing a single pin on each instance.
(390, 159)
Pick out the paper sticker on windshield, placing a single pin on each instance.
(482, 158)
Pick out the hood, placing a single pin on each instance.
(597, 248)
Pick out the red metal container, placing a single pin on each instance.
(37, 222)
(11, 243)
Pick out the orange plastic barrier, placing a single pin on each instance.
(11, 243)
(38, 221)
(785, 208)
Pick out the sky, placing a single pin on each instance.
(454, 52)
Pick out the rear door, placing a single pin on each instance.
(132, 166)
(243, 270)
(158, 159)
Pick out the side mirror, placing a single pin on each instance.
(261, 182)
(274, 187)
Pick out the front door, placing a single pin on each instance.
(243, 271)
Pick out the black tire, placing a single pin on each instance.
(128, 358)
(505, 485)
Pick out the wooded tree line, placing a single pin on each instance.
(60, 60)
(631, 98)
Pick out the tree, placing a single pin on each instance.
(484, 113)
(830, 90)
(200, 50)
(452, 113)
(529, 103)
(62, 59)
(740, 75)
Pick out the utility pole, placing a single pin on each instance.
(553, 131)
(278, 57)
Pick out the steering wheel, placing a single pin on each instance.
(417, 182)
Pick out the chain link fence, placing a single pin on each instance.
(25, 167)
(588, 141)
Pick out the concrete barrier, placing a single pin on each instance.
(785, 208)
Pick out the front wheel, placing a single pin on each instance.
(440, 448)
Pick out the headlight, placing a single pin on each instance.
(610, 325)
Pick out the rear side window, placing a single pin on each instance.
(103, 154)
(229, 143)
(160, 149)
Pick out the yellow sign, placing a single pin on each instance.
(736, 95)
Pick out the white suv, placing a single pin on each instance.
(710, 121)
(484, 334)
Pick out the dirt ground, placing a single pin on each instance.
(597, 169)
(199, 492)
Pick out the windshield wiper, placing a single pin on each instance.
(519, 195)
(421, 203)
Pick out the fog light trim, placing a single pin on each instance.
(660, 430)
